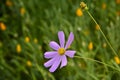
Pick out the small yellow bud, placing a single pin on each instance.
(90, 46)
(117, 60)
(79, 12)
(18, 48)
(22, 11)
(27, 39)
(2, 26)
(35, 40)
(118, 1)
(8, 3)
(83, 6)
(40, 47)
(104, 6)
(118, 13)
(29, 64)
(69, 47)
(97, 27)
(83, 44)
(104, 45)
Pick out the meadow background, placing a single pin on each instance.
(27, 27)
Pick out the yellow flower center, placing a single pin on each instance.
(61, 51)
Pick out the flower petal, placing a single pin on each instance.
(55, 64)
(50, 62)
(54, 45)
(61, 38)
(64, 61)
(70, 53)
(50, 54)
(70, 39)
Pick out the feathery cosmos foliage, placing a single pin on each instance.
(28, 26)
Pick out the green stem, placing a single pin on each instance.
(102, 33)
(98, 62)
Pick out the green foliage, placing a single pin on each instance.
(32, 24)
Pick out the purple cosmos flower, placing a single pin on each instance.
(58, 56)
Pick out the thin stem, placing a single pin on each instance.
(97, 62)
(103, 34)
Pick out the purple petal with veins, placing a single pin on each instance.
(70, 53)
(64, 61)
(50, 54)
(50, 62)
(54, 45)
(55, 64)
(61, 38)
(70, 40)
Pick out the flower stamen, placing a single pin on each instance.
(61, 51)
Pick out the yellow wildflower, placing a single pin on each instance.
(22, 11)
(118, 1)
(27, 39)
(8, 3)
(117, 60)
(104, 5)
(79, 12)
(35, 40)
(90, 46)
(97, 27)
(29, 64)
(2, 26)
(18, 48)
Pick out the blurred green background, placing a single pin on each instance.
(27, 27)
